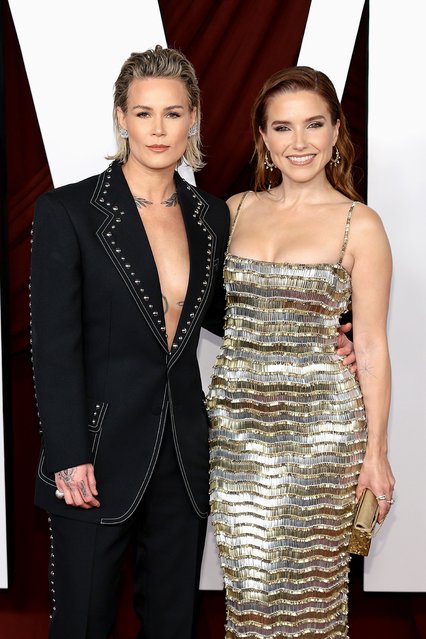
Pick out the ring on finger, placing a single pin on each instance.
(59, 494)
(382, 497)
(390, 501)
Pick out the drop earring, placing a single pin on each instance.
(334, 161)
(270, 166)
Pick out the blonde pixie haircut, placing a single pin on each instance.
(158, 63)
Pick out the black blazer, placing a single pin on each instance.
(104, 377)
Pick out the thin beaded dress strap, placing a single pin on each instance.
(346, 235)
(240, 203)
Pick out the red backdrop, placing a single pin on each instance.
(234, 46)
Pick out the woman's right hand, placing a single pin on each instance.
(376, 474)
(78, 484)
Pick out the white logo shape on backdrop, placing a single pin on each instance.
(72, 92)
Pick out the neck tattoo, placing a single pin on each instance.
(170, 201)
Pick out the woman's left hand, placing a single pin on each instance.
(376, 474)
(345, 347)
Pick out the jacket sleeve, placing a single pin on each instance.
(57, 340)
(214, 319)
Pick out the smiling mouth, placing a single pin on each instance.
(301, 159)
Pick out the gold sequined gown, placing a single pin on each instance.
(288, 437)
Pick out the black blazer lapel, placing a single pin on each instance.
(123, 237)
(202, 242)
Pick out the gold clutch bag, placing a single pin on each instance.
(365, 520)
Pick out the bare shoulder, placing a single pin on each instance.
(367, 230)
(234, 201)
(367, 219)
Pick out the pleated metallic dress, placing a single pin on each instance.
(288, 436)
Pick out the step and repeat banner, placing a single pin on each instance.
(396, 140)
(396, 180)
(75, 86)
(3, 538)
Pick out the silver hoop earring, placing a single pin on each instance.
(270, 166)
(334, 161)
(123, 132)
(193, 130)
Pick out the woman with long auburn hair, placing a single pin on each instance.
(289, 448)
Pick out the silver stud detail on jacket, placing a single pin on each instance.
(199, 204)
(52, 566)
(118, 250)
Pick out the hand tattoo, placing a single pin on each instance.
(83, 488)
(67, 475)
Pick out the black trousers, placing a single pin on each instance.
(84, 572)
